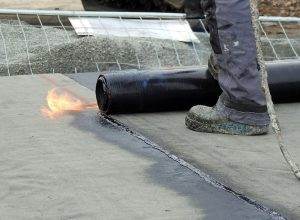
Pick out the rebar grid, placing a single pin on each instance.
(281, 38)
(45, 42)
(155, 49)
(5, 51)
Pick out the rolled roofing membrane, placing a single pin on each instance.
(179, 89)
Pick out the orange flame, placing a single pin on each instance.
(61, 102)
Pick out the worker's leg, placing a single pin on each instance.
(233, 43)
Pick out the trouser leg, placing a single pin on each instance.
(233, 42)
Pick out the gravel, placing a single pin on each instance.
(65, 52)
(70, 53)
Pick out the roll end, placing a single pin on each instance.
(102, 95)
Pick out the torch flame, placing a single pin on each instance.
(61, 102)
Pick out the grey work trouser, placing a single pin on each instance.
(233, 42)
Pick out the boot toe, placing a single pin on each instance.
(204, 114)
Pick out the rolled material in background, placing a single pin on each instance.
(169, 90)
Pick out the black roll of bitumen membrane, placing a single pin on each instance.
(179, 89)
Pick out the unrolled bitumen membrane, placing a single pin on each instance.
(178, 89)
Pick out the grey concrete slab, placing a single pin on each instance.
(43, 4)
(80, 166)
(252, 166)
(77, 5)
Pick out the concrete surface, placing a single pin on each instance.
(252, 166)
(80, 166)
(53, 4)
(43, 4)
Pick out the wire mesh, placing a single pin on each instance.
(281, 39)
(35, 42)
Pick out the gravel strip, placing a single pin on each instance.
(65, 52)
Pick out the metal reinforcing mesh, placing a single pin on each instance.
(34, 43)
